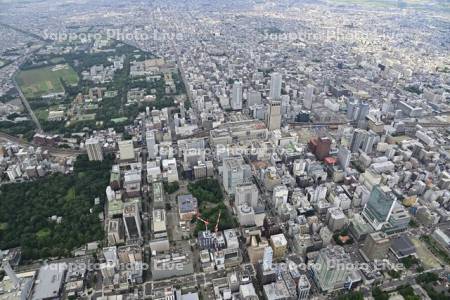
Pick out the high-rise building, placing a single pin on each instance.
(398, 220)
(280, 195)
(309, 97)
(344, 156)
(132, 220)
(253, 98)
(376, 245)
(126, 150)
(273, 115)
(246, 193)
(279, 245)
(303, 288)
(363, 140)
(320, 147)
(236, 96)
(378, 209)
(150, 141)
(336, 219)
(246, 215)
(370, 140)
(329, 269)
(358, 111)
(235, 172)
(115, 232)
(268, 258)
(275, 86)
(94, 149)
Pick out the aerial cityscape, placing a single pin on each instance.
(228, 150)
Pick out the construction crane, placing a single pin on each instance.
(217, 223)
(204, 221)
(216, 229)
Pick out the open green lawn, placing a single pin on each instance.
(41, 113)
(42, 81)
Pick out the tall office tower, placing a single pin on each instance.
(254, 98)
(378, 209)
(94, 149)
(150, 140)
(246, 194)
(362, 114)
(303, 288)
(285, 105)
(280, 195)
(126, 150)
(328, 271)
(275, 86)
(357, 139)
(182, 110)
(352, 109)
(363, 140)
(268, 258)
(235, 172)
(273, 116)
(376, 245)
(370, 140)
(344, 156)
(309, 97)
(132, 220)
(236, 96)
(357, 111)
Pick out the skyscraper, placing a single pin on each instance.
(254, 98)
(344, 156)
(363, 140)
(309, 97)
(379, 207)
(268, 258)
(357, 111)
(304, 287)
(236, 96)
(275, 86)
(329, 269)
(273, 116)
(246, 193)
(94, 149)
(150, 140)
(235, 172)
(132, 220)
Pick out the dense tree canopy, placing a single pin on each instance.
(26, 210)
(206, 190)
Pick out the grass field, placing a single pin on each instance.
(42, 81)
(41, 114)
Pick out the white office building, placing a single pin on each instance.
(126, 150)
(236, 96)
(94, 149)
(275, 86)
